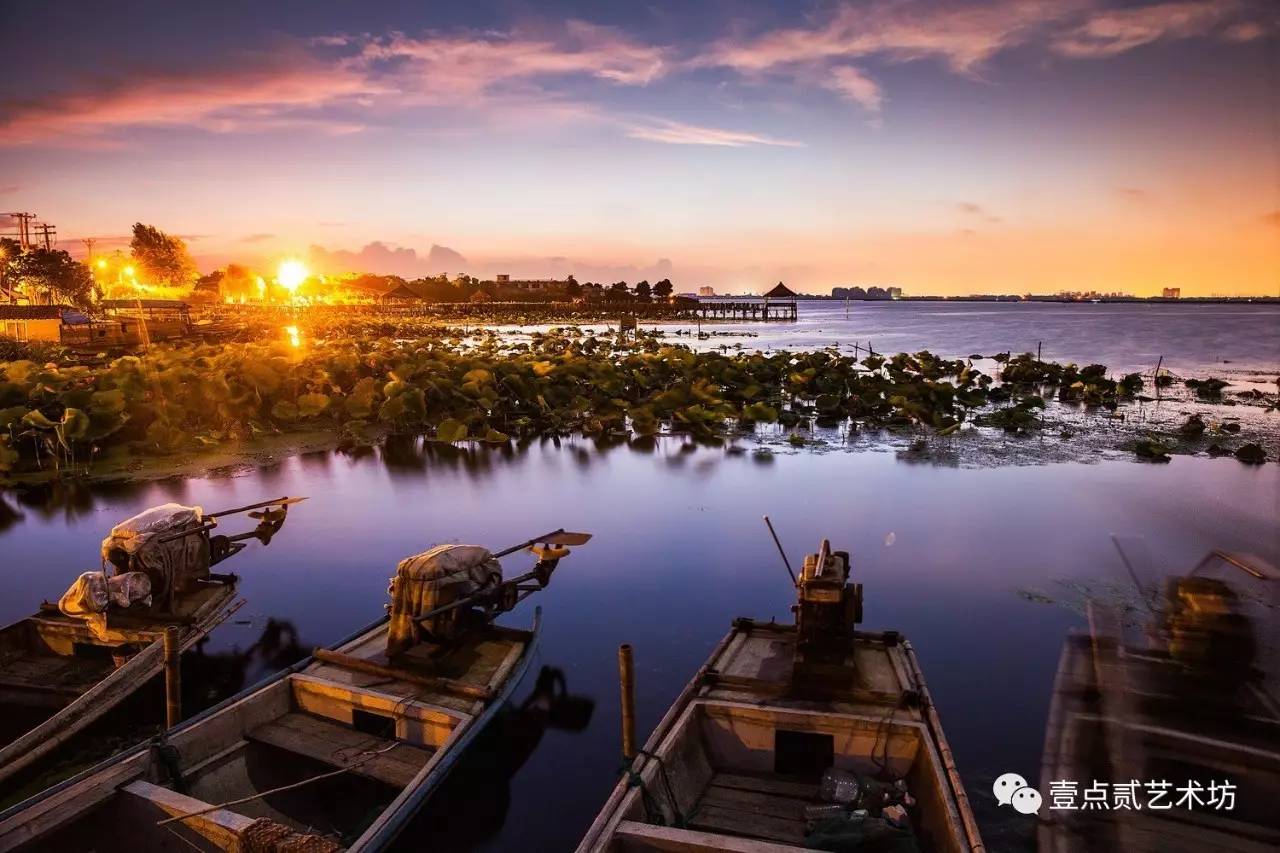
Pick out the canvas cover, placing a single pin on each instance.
(93, 593)
(432, 579)
(167, 564)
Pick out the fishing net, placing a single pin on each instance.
(433, 579)
(267, 836)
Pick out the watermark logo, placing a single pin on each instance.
(1011, 789)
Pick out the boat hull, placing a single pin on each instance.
(313, 745)
(735, 762)
(57, 663)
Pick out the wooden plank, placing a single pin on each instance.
(341, 746)
(766, 785)
(773, 805)
(644, 838)
(748, 824)
(222, 827)
(444, 685)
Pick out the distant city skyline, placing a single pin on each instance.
(1014, 146)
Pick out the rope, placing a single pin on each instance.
(401, 702)
(677, 815)
(288, 787)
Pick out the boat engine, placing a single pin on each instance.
(827, 608)
(168, 543)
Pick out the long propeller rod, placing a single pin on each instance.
(564, 538)
(284, 501)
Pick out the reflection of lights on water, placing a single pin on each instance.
(890, 539)
(295, 339)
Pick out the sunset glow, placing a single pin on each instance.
(1005, 147)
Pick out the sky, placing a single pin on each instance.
(1014, 146)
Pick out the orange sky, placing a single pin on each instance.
(1011, 146)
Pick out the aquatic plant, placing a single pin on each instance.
(1152, 449)
(1251, 454)
(1207, 389)
(360, 378)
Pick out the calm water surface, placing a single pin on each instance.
(679, 551)
(960, 559)
(1224, 339)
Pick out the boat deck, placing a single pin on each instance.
(136, 624)
(759, 660)
(481, 663)
(754, 806)
(382, 759)
(38, 677)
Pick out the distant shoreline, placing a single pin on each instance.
(1122, 300)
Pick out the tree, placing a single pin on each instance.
(54, 273)
(160, 258)
(572, 289)
(9, 251)
(642, 291)
(663, 288)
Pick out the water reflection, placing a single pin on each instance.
(473, 804)
(679, 552)
(210, 677)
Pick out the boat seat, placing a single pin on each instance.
(220, 826)
(341, 746)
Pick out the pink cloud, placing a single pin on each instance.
(855, 86)
(296, 86)
(256, 93)
(1112, 32)
(453, 65)
(965, 36)
(678, 133)
(962, 36)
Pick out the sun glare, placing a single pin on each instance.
(291, 274)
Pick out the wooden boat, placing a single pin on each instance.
(60, 673)
(338, 751)
(54, 669)
(1191, 701)
(738, 761)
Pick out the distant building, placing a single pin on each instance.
(706, 290)
(31, 322)
(839, 293)
(514, 288)
(877, 293)
(857, 293)
(895, 293)
(1172, 293)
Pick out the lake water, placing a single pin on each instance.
(1229, 338)
(983, 568)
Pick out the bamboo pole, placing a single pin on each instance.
(626, 674)
(172, 676)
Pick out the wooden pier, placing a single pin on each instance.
(762, 310)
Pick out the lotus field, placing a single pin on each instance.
(455, 389)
